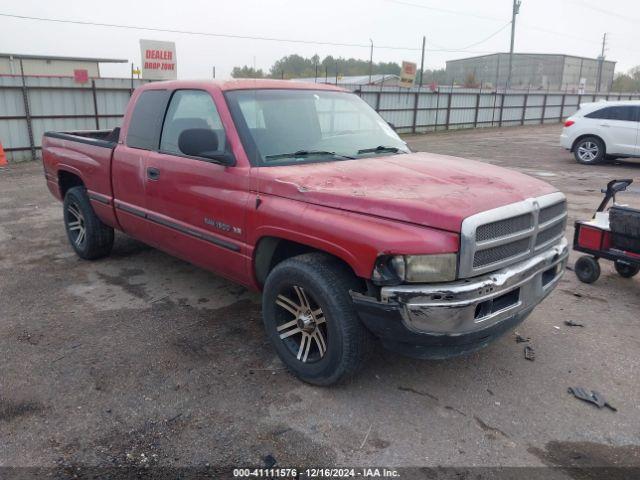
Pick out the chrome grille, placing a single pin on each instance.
(496, 238)
(503, 228)
(552, 212)
(551, 233)
(500, 253)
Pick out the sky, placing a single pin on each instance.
(453, 29)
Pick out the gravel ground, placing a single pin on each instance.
(144, 360)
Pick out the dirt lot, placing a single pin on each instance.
(141, 359)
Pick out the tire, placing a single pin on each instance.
(589, 151)
(308, 294)
(90, 238)
(626, 270)
(587, 269)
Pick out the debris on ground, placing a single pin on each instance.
(521, 339)
(571, 323)
(270, 461)
(529, 354)
(591, 396)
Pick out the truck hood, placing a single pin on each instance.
(427, 189)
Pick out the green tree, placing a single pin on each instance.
(627, 82)
(247, 72)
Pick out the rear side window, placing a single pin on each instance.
(146, 120)
(626, 113)
(190, 109)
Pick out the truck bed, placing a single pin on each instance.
(99, 138)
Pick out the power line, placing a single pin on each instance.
(445, 10)
(463, 49)
(205, 34)
(234, 36)
(605, 12)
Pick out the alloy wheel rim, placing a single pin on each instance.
(302, 325)
(588, 151)
(76, 224)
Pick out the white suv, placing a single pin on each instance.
(598, 131)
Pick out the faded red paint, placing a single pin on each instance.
(355, 210)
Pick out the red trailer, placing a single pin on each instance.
(612, 234)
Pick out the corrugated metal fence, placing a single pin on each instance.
(30, 106)
(412, 111)
(33, 105)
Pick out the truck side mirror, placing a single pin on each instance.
(203, 143)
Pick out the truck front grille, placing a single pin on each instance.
(502, 228)
(501, 252)
(496, 238)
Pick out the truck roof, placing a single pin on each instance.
(243, 84)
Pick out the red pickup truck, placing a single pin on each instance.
(304, 192)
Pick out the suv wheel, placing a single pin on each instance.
(310, 319)
(89, 237)
(589, 151)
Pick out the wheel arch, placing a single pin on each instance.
(272, 250)
(68, 179)
(582, 137)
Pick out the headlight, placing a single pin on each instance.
(396, 269)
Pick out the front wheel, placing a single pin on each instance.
(311, 321)
(587, 269)
(626, 270)
(589, 151)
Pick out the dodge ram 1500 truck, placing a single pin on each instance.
(302, 191)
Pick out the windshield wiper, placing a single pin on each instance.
(305, 154)
(380, 149)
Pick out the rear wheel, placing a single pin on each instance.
(89, 237)
(587, 269)
(626, 270)
(310, 319)
(589, 151)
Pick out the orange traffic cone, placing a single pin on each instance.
(3, 157)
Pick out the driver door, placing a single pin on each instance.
(197, 207)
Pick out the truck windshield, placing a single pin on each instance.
(285, 127)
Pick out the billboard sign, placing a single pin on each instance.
(158, 60)
(408, 74)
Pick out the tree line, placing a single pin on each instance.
(297, 66)
(627, 82)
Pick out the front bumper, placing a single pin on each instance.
(450, 319)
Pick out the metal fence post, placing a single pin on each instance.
(379, 94)
(564, 99)
(415, 112)
(501, 110)
(27, 112)
(544, 108)
(95, 104)
(524, 108)
(475, 118)
(449, 110)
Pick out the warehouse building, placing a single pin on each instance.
(51, 66)
(534, 71)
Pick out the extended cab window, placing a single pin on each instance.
(626, 114)
(190, 109)
(146, 120)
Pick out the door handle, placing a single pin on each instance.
(153, 173)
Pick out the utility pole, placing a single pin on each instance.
(601, 63)
(370, 61)
(424, 42)
(516, 11)
(214, 71)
